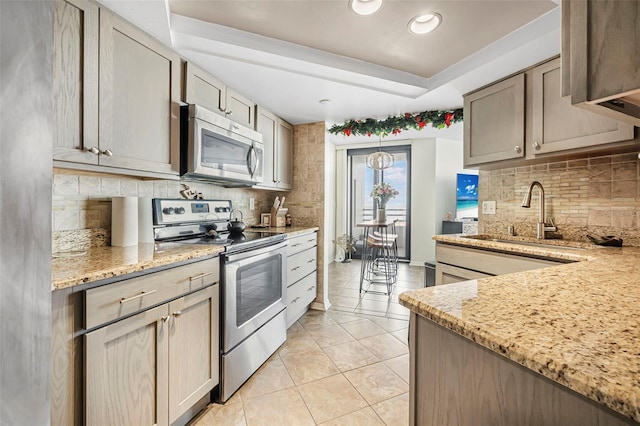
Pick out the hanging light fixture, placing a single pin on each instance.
(380, 160)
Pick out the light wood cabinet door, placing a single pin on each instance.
(75, 81)
(240, 108)
(204, 89)
(126, 371)
(139, 99)
(267, 126)
(193, 349)
(557, 125)
(284, 155)
(494, 122)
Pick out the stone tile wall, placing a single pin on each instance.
(599, 195)
(81, 207)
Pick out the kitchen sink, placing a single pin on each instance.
(553, 244)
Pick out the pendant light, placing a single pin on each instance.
(380, 160)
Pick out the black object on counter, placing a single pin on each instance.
(607, 240)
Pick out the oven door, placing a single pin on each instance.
(254, 291)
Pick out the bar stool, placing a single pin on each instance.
(380, 262)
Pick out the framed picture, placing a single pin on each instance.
(265, 219)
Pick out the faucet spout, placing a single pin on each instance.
(526, 203)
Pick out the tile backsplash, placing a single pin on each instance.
(81, 213)
(599, 195)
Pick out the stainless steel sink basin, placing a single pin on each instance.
(561, 244)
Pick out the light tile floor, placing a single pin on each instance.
(346, 366)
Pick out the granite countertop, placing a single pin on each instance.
(94, 264)
(577, 324)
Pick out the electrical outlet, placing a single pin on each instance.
(252, 203)
(488, 207)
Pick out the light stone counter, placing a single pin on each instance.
(94, 264)
(100, 263)
(577, 324)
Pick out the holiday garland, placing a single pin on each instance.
(395, 125)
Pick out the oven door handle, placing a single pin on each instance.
(235, 257)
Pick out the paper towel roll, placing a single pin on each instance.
(145, 220)
(124, 221)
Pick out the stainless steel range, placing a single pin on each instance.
(253, 288)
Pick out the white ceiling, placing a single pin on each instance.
(287, 55)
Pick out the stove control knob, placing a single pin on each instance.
(217, 209)
(168, 210)
(179, 210)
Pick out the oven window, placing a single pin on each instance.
(258, 286)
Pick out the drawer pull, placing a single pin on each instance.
(144, 293)
(311, 288)
(311, 240)
(295, 300)
(295, 245)
(197, 277)
(295, 269)
(311, 260)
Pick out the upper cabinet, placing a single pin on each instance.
(117, 93)
(601, 57)
(139, 99)
(75, 81)
(494, 122)
(277, 136)
(525, 117)
(204, 89)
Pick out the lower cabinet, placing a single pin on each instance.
(152, 367)
(455, 263)
(302, 261)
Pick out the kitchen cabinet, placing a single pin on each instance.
(277, 136)
(525, 118)
(456, 263)
(204, 89)
(557, 125)
(117, 93)
(494, 122)
(601, 57)
(302, 261)
(75, 81)
(142, 350)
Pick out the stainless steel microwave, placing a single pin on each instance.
(217, 149)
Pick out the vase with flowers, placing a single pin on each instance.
(383, 192)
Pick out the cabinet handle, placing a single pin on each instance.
(295, 300)
(166, 319)
(311, 241)
(296, 245)
(177, 313)
(93, 150)
(311, 288)
(228, 112)
(197, 277)
(107, 152)
(517, 149)
(311, 260)
(536, 146)
(295, 269)
(144, 293)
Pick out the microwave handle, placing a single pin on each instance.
(253, 166)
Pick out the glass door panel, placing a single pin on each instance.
(363, 208)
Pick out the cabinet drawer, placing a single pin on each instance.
(300, 295)
(113, 301)
(301, 243)
(301, 264)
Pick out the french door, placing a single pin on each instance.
(363, 208)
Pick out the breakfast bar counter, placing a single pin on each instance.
(576, 324)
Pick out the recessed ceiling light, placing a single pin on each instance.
(424, 24)
(365, 7)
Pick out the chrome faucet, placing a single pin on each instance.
(541, 226)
